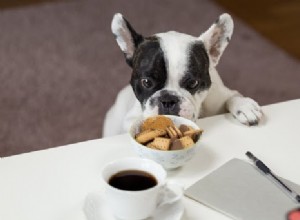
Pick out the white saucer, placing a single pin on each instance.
(95, 208)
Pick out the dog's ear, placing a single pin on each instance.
(127, 38)
(217, 37)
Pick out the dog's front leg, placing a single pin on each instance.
(244, 109)
(215, 39)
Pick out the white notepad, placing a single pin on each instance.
(240, 191)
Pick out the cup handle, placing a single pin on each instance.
(171, 192)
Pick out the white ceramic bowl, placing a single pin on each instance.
(168, 159)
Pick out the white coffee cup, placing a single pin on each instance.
(140, 204)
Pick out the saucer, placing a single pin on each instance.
(95, 208)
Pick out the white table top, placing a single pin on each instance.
(52, 184)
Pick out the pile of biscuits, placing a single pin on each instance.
(160, 133)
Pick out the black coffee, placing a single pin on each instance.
(132, 180)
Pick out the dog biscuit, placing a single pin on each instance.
(186, 141)
(149, 135)
(156, 122)
(161, 143)
(179, 133)
(183, 128)
(171, 132)
(176, 145)
(194, 134)
(151, 145)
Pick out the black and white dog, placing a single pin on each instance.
(175, 73)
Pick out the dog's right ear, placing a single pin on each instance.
(127, 38)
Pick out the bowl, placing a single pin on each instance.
(168, 159)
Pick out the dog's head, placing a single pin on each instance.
(171, 71)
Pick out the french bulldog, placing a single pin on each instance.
(175, 74)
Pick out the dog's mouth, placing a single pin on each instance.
(169, 105)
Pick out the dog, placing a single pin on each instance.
(175, 74)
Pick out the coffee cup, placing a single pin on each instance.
(135, 187)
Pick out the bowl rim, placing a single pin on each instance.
(142, 118)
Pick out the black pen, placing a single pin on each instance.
(266, 170)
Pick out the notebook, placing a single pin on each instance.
(240, 191)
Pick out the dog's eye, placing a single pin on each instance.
(193, 83)
(146, 83)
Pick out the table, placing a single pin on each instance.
(52, 184)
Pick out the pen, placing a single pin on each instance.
(266, 170)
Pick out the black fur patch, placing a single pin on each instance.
(217, 21)
(148, 63)
(137, 39)
(198, 69)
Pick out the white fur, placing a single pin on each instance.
(121, 115)
(222, 29)
(175, 47)
(124, 39)
(218, 99)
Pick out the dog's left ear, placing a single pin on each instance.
(127, 38)
(217, 37)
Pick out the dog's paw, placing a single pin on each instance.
(246, 110)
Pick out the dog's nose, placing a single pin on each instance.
(168, 103)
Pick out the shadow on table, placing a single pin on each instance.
(202, 161)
